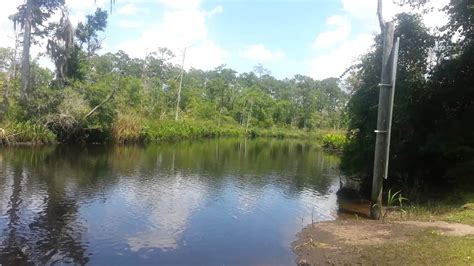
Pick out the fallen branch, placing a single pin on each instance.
(91, 112)
(304, 244)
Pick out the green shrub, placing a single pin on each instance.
(177, 130)
(334, 141)
(127, 128)
(26, 132)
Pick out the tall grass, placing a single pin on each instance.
(26, 132)
(177, 130)
(129, 129)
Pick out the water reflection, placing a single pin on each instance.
(225, 201)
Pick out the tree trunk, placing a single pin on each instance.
(176, 117)
(249, 114)
(25, 60)
(219, 120)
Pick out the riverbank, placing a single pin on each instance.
(151, 131)
(439, 234)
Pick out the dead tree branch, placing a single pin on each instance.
(380, 16)
(111, 95)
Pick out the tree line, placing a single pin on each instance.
(432, 147)
(88, 91)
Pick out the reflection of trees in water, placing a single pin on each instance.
(48, 235)
(14, 240)
(62, 178)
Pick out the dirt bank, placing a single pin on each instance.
(361, 241)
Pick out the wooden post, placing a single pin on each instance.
(381, 141)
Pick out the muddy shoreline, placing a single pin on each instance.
(351, 239)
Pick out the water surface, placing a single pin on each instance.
(212, 202)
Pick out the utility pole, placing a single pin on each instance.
(385, 107)
(180, 85)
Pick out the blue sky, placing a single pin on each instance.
(318, 38)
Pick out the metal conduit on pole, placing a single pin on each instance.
(385, 112)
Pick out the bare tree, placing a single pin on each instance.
(180, 85)
(31, 17)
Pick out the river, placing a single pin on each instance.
(207, 202)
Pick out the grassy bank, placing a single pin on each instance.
(429, 247)
(457, 208)
(177, 130)
(25, 132)
(128, 129)
(434, 233)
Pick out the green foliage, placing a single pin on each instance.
(127, 99)
(425, 248)
(334, 141)
(26, 132)
(131, 128)
(87, 33)
(432, 143)
(395, 199)
(176, 130)
(127, 128)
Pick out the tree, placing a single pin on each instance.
(87, 33)
(61, 44)
(8, 67)
(432, 140)
(260, 70)
(31, 17)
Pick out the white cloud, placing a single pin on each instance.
(334, 62)
(181, 4)
(130, 24)
(366, 10)
(7, 38)
(259, 52)
(340, 50)
(179, 28)
(342, 29)
(216, 10)
(205, 55)
(128, 10)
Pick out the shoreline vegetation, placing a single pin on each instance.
(113, 97)
(126, 132)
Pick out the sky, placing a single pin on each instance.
(317, 38)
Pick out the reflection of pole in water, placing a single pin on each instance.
(245, 148)
(240, 149)
(322, 161)
(173, 159)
